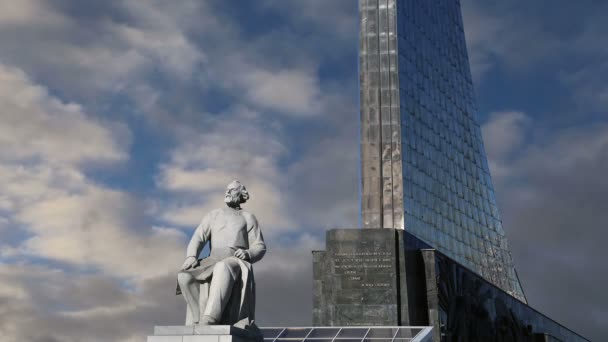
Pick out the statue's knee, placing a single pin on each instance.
(184, 278)
(220, 266)
(226, 267)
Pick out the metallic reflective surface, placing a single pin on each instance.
(470, 309)
(424, 167)
(348, 334)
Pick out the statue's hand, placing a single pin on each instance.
(189, 263)
(241, 254)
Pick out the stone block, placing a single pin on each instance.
(227, 338)
(203, 333)
(213, 329)
(233, 338)
(357, 278)
(165, 339)
(201, 338)
(173, 330)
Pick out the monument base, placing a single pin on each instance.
(203, 333)
(372, 277)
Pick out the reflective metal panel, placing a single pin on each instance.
(424, 167)
(348, 334)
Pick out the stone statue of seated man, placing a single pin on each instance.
(220, 289)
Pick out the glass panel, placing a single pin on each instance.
(442, 144)
(407, 333)
(323, 332)
(271, 332)
(352, 332)
(295, 333)
(381, 333)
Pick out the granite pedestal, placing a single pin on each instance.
(372, 277)
(357, 279)
(203, 333)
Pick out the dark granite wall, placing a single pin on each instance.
(372, 277)
(356, 279)
(465, 307)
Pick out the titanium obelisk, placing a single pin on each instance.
(423, 163)
(432, 251)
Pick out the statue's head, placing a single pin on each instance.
(236, 193)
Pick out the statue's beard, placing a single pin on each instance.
(233, 200)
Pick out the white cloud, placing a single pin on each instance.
(194, 42)
(204, 162)
(85, 225)
(588, 86)
(503, 133)
(183, 180)
(68, 217)
(286, 260)
(42, 303)
(37, 125)
(501, 34)
(515, 147)
(99, 54)
(325, 182)
(168, 47)
(482, 32)
(95, 230)
(24, 12)
(288, 91)
(337, 19)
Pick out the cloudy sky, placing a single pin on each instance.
(122, 121)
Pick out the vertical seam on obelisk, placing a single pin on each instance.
(396, 129)
(383, 27)
(379, 97)
(362, 101)
(390, 108)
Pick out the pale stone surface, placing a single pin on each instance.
(203, 333)
(165, 339)
(201, 338)
(226, 275)
(174, 330)
(213, 329)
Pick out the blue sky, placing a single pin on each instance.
(122, 121)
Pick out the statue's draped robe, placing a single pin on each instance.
(228, 230)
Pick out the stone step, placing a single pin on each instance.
(201, 333)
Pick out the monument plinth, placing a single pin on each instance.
(355, 284)
(204, 333)
(357, 279)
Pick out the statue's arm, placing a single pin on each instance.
(200, 237)
(257, 246)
